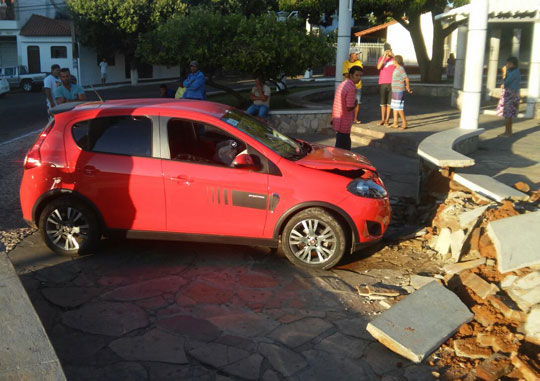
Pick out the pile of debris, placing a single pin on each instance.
(480, 317)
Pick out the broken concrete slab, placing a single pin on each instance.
(529, 281)
(515, 246)
(480, 287)
(379, 289)
(488, 186)
(456, 268)
(532, 326)
(415, 335)
(525, 299)
(419, 281)
(443, 242)
(457, 239)
(468, 220)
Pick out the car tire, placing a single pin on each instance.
(69, 227)
(27, 86)
(314, 239)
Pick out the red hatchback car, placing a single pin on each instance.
(196, 171)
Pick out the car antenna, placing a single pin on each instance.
(95, 91)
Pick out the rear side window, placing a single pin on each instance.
(121, 135)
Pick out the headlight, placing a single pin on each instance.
(366, 188)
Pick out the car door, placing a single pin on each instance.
(117, 166)
(204, 195)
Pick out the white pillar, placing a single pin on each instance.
(460, 65)
(516, 42)
(533, 95)
(493, 63)
(474, 64)
(344, 37)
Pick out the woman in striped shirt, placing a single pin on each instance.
(400, 83)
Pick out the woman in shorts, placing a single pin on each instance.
(400, 83)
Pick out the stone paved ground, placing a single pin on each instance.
(143, 310)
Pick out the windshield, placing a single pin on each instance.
(283, 145)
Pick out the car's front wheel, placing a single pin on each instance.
(69, 227)
(313, 238)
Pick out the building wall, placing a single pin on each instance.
(8, 51)
(45, 44)
(91, 74)
(401, 41)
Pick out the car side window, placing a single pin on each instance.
(122, 135)
(201, 143)
(9, 71)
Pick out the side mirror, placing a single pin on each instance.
(247, 162)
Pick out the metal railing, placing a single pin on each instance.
(369, 52)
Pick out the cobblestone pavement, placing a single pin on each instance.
(142, 310)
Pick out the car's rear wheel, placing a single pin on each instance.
(69, 227)
(27, 86)
(314, 239)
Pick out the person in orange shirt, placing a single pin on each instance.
(354, 61)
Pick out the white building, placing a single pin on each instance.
(31, 36)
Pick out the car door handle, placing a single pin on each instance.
(182, 179)
(90, 170)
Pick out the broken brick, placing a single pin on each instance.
(469, 348)
(456, 268)
(483, 316)
(527, 371)
(480, 287)
(494, 367)
(508, 312)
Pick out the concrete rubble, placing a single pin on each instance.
(499, 285)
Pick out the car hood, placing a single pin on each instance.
(330, 158)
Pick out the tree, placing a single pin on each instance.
(408, 13)
(316, 12)
(116, 25)
(256, 44)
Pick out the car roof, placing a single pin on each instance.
(205, 107)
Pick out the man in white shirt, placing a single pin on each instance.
(50, 83)
(103, 65)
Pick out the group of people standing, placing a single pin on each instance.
(393, 82)
(60, 87)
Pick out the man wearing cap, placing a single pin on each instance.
(354, 61)
(386, 67)
(195, 83)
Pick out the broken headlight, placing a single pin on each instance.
(366, 188)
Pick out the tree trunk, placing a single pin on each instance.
(415, 31)
(134, 72)
(241, 101)
(435, 66)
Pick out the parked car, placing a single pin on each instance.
(18, 76)
(4, 86)
(196, 171)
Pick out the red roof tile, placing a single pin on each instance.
(43, 26)
(374, 29)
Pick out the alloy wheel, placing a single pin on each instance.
(312, 241)
(67, 228)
